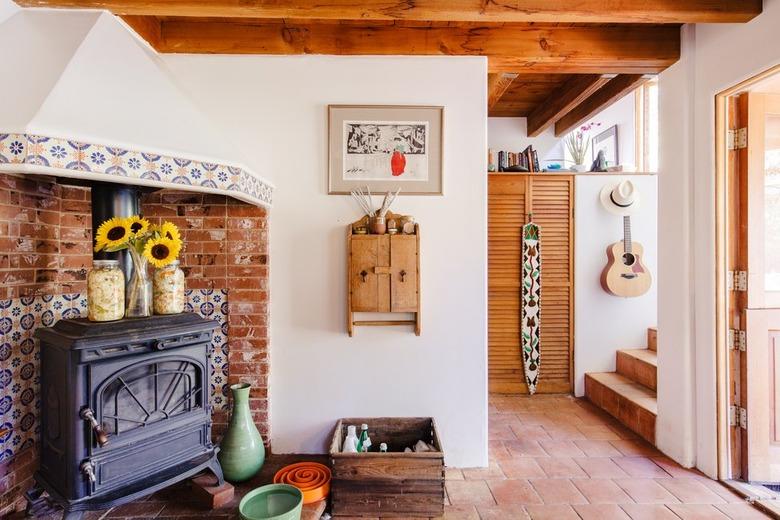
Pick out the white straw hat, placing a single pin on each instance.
(620, 198)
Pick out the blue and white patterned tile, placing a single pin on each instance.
(82, 157)
(212, 304)
(20, 375)
(20, 356)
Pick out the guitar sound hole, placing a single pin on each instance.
(629, 259)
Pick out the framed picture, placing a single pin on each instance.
(385, 148)
(607, 141)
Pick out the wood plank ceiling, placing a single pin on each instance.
(555, 62)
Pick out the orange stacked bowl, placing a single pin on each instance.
(311, 478)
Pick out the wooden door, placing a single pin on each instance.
(755, 309)
(510, 199)
(370, 290)
(403, 273)
(553, 209)
(762, 389)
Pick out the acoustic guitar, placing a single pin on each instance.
(625, 274)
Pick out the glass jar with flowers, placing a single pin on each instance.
(169, 279)
(577, 143)
(147, 244)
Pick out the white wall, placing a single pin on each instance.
(7, 8)
(715, 57)
(276, 109)
(676, 423)
(510, 134)
(604, 324)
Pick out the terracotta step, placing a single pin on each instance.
(652, 339)
(634, 405)
(639, 365)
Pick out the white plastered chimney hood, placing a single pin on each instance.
(84, 98)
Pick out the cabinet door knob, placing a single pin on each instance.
(403, 275)
(363, 275)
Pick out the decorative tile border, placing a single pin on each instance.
(20, 356)
(80, 159)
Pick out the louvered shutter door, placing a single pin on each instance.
(510, 197)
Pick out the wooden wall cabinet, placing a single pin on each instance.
(383, 277)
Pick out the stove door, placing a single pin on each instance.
(155, 412)
(142, 396)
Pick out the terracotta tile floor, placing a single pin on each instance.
(551, 457)
(556, 457)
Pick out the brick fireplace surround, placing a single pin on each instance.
(45, 253)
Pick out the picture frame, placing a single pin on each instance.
(385, 147)
(607, 141)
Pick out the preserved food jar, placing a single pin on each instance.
(169, 289)
(105, 291)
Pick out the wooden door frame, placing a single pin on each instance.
(721, 258)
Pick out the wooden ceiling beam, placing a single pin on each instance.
(563, 100)
(563, 11)
(527, 48)
(148, 27)
(613, 91)
(497, 84)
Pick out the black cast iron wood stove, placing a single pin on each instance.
(125, 409)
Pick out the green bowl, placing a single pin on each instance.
(272, 502)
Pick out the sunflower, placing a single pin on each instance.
(112, 234)
(138, 225)
(170, 231)
(161, 251)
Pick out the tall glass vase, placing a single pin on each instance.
(241, 452)
(139, 288)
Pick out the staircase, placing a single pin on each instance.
(629, 394)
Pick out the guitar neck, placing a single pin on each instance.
(627, 234)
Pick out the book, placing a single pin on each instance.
(504, 161)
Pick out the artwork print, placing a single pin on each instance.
(607, 141)
(385, 150)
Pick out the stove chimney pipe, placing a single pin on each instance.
(114, 200)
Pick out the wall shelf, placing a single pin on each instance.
(383, 276)
(565, 173)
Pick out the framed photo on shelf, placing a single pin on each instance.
(385, 148)
(607, 141)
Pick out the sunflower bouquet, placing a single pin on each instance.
(159, 245)
(147, 244)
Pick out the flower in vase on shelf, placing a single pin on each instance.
(147, 244)
(577, 143)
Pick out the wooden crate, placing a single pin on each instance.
(393, 484)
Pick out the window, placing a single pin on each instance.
(646, 121)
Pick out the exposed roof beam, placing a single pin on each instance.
(497, 84)
(525, 48)
(566, 11)
(148, 27)
(563, 100)
(613, 91)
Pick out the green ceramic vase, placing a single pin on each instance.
(241, 452)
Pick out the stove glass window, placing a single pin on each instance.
(151, 392)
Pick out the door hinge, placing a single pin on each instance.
(736, 138)
(737, 340)
(736, 280)
(737, 416)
